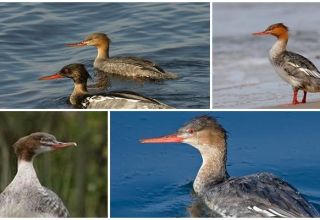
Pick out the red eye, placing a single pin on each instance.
(190, 131)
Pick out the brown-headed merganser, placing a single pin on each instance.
(81, 98)
(293, 68)
(257, 195)
(25, 196)
(125, 66)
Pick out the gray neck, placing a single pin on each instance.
(278, 48)
(213, 168)
(78, 90)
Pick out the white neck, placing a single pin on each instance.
(26, 175)
(279, 47)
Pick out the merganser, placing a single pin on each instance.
(257, 195)
(25, 196)
(125, 66)
(81, 98)
(293, 68)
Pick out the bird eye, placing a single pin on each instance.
(66, 70)
(190, 131)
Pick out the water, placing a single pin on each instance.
(243, 76)
(156, 180)
(32, 38)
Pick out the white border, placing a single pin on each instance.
(167, 1)
(109, 164)
(108, 111)
(113, 1)
(162, 110)
(211, 62)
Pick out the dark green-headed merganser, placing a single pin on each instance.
(81, 98)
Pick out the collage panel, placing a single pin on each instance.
(105, 55)
(265, 55)
(214, 164)
(54, 164)
(194, 154)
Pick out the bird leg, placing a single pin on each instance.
(295, 97)
(304, 100)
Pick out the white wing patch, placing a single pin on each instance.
(97, 98)
(306, 71)
(104, 98)
(294, 65)
(114, 102)
(268, 212)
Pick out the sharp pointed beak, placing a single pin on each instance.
(261, 33)
(172, 138)
(60, 145)
(78, 44)
(54, 76)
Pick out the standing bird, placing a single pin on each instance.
(293, 68)
(134, 67)
(25, 196)
(256, 195)
(81, 98)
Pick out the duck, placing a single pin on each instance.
(255, 195)
(81, 98)
(292, 67)
(133, 67)
(25, 196)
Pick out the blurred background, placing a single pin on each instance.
(78, 175)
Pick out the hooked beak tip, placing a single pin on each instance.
(65, 145)
(143, 141)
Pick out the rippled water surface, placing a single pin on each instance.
(243, 76)
(33, 35)
(155, 180)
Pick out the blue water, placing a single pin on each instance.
(155, 180)
(32, 38)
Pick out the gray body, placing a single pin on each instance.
(26, 197)
(33, 202)
(257, 195)
(295, 69)
(132, 67)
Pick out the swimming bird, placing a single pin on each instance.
(81, 98)
(293, 68)
(25, 196)
(133, 67)
(255, 195)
